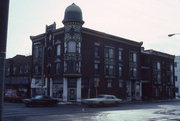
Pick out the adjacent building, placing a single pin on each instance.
(177, 75)
(157, 74)
(18, 75)
(74, 62)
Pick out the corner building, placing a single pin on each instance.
(74, 62)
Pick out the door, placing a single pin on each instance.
(72, 94)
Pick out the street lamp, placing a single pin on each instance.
(170, 35)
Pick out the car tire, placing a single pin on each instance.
(28, 104)
(116, 103)
(101, 104)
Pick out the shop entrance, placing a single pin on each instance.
(72, 89)
(71, 94)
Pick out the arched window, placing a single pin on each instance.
(71, 46)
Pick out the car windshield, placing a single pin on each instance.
(38, 97)
(101, 96)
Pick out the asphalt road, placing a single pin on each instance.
(156, 111)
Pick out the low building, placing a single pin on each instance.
(177, 74)
(18, 75)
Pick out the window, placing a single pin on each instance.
(14, 70)
(120, 83)
(21, 70)
(77, 67)
(96, 51)
(120, 54)
(158, 66)
(176, 78)
(72, 46)
(109, 52)
(96, 68)
(58, 68)
(159, 77)
(72, 66)
(26, 68)
(157, 92)
(133, 57)
(109, 70)
(133, 72)
(106, 69)
(38, 51)
(96, 82)
(8, 71)
(120, 70)
(109, 83)
(175, 64)
(58, 50)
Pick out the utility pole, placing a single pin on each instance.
(4, 10)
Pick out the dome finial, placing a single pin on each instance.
(73, 13)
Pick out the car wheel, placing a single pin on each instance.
(28, 104)
(101, 104)
(116, 103)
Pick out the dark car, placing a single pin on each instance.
(40, 100)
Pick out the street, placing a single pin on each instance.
(145, 111)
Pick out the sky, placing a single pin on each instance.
(149, 21)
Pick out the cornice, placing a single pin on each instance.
(111, 37)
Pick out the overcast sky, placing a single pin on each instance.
(149, 21)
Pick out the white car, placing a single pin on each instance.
(102, 100)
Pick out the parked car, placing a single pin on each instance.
(13, 96)
(102, 100)
(41, 100)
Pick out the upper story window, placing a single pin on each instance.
(97, 49)
(133, 72)
(120, 83)
(71, 46)
(96, 82)
(109, 83)
(58, 70)
(109, 52)
(96, 68)
(48, 69)
(172, 79)
(120, 54)
(58, 50)
(14, 70)
(109, 69)
(38, 51)
(72, 66)
(8, 71)
(133, 57)
(176, 78)
(158, 66)
(21, 69)
(175, 64)
(120, 70)
(27, 68)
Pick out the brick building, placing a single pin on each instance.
(74, 62)
(18, 74)
(157, 75)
